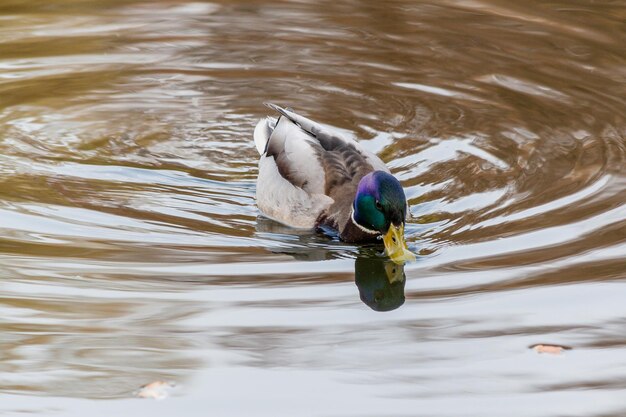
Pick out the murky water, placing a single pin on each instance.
(131, 248)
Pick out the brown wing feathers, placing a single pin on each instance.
(341, 161)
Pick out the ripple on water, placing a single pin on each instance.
(132, 249)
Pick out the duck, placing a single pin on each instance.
(312, 177)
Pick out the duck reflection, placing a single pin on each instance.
(380, 282)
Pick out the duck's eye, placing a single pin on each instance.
(378, 205)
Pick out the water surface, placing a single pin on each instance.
(131, 249)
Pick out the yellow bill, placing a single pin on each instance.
(395, 246)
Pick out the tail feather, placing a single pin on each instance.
(307, 125)
(262, 133)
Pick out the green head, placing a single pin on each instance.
(380, 205)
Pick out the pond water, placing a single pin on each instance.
(131, 248)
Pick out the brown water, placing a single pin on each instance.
(131, 248)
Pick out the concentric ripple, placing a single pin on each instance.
(131, 248)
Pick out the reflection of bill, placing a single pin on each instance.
(380, 282)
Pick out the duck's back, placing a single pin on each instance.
(308, 175)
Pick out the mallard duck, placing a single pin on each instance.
(311, 177)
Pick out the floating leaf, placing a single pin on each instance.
(549, 349)
(157, 390)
